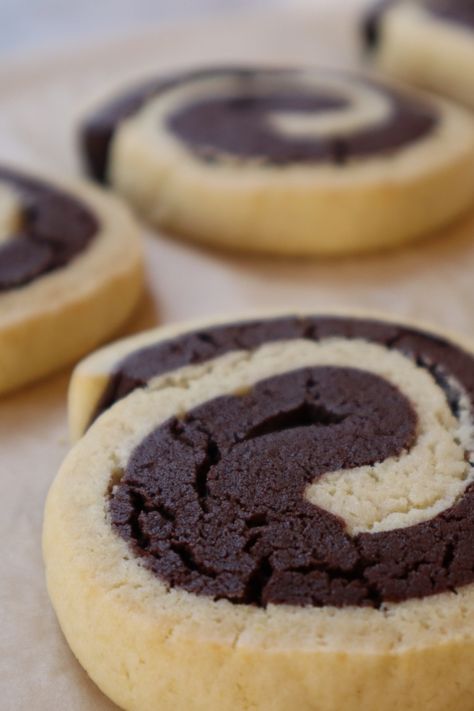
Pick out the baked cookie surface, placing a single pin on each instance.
(284, 160)
(268, 513)
(429, 43)
(64, 252)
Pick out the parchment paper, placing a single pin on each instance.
(40, 101)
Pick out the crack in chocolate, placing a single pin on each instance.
(451, 390)
(238, 125)
(305, 414)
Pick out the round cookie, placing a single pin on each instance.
(283, 160)
(429, 43)
(271, 514)
(65, 255)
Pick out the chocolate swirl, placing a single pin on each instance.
(54, 228)
(214, 503)
(236, 122)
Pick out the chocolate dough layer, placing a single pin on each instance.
(55, 227)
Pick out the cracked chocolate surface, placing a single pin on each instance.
(238, 125)
(214, 503)
(55, 227)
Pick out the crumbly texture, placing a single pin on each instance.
(148, 644)
(349, 199)
(58, 316)
(428, 44)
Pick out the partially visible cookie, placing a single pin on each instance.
(70, 273)
(283, 160)
(272, 514)
(429, 43)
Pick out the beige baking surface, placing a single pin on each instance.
(39, 102)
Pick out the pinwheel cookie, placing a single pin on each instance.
(270, 515)
(65, 256)
(285, 161)
(427, 42)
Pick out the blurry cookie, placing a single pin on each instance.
(70, 273)
(427, 42)
(271, 514)
(285, 161)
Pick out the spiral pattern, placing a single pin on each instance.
(312, 480)
(276, 116)
(257, 158)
